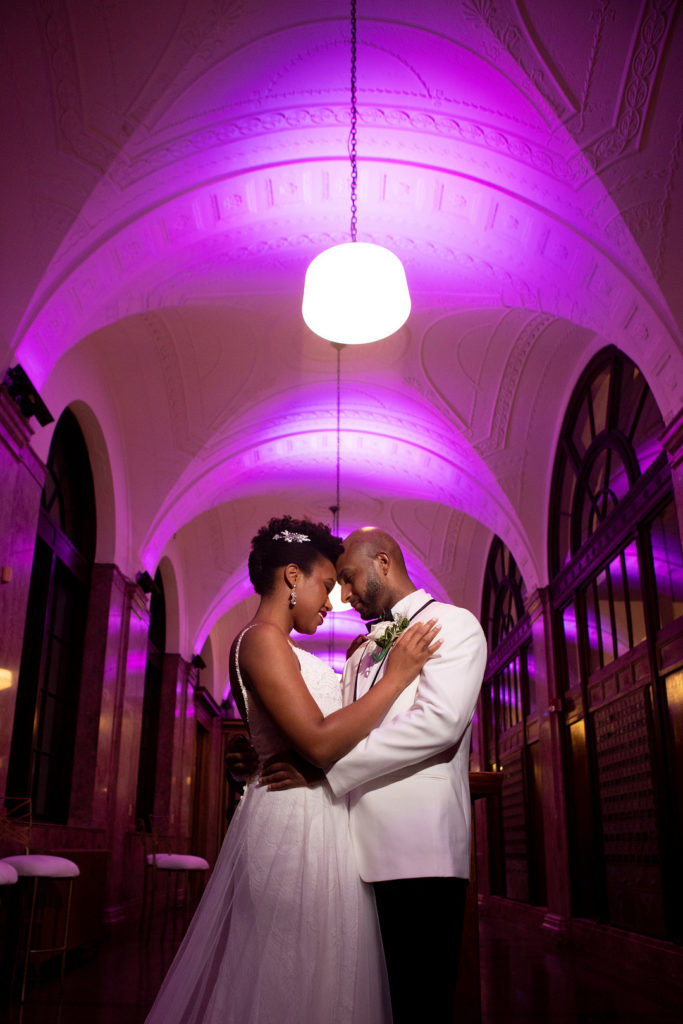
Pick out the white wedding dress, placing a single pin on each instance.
(286, 932)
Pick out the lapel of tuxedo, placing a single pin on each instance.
(366, 671)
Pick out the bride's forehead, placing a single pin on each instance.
(323, 567)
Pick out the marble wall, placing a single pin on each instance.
(22, 476)
(105, 774)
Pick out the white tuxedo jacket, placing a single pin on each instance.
(409, 798)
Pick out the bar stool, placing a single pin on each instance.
(159, 857)
(15, 826)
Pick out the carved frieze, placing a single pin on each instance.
(638, 85)
(521, 348)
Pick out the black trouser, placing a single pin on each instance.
(421, 923)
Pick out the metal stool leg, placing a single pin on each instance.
(62, 949)
(29, 936)
(66, 928)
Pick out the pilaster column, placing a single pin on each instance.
(105, 690)
(178, 697)
(118, 749)
(22, 475)
(552, 764)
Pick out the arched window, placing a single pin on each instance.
(503, 601)
(43, 737)
(510, 717)
(609, 439)
(617, 595)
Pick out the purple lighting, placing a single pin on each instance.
(394, 442)
(163, 211)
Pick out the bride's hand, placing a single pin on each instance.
(412, 651)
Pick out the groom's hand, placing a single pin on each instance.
(355, 644)
(288, 770)
(240, 758)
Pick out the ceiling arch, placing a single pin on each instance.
(380, 451)
(171, 167)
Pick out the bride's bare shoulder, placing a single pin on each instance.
(263, 637)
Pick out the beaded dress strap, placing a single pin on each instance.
(243, 688)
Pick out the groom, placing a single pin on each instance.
(407, 782)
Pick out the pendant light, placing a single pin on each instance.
(356, 292)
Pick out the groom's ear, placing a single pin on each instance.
(383, 562)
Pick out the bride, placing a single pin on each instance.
(286, 932)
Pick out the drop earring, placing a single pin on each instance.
(292, 597)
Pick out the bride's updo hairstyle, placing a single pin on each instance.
(287, 540)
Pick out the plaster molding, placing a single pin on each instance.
(637, 90)
(212, 532)
(66, 90)
(204, 35)
(200, 33)
(600, 18)
(411, 468)
(382, 422)
(454, 526)
(665, 221)
(511, 38)
(515, 145)
(174, 385)
(435, 400)
(524, 342)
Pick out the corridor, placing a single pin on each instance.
(522, 982)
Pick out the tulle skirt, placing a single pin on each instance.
(286, 932)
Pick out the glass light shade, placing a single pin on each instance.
(355, 293)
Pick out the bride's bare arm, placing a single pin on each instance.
(272, 669)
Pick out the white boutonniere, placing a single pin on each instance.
(385, 635)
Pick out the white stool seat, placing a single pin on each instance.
(177, 862)
(42, 865)
(8, 874)
(16, 819)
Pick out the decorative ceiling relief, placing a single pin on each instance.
(522, 346)
(511, 38)
(170, 169)
(633, 105)
(75, 135)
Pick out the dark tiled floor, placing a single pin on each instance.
(523, 982)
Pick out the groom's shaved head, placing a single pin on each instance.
(370, 541)
(372, 572)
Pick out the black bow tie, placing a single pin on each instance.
(385, 616)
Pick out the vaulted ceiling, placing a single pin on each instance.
(170, 167)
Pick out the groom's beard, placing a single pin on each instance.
(371, 604)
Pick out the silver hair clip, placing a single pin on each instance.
(300, 538)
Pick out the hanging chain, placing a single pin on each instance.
(353, 139)
(339, 348)
(353, 134)
(334, 509)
